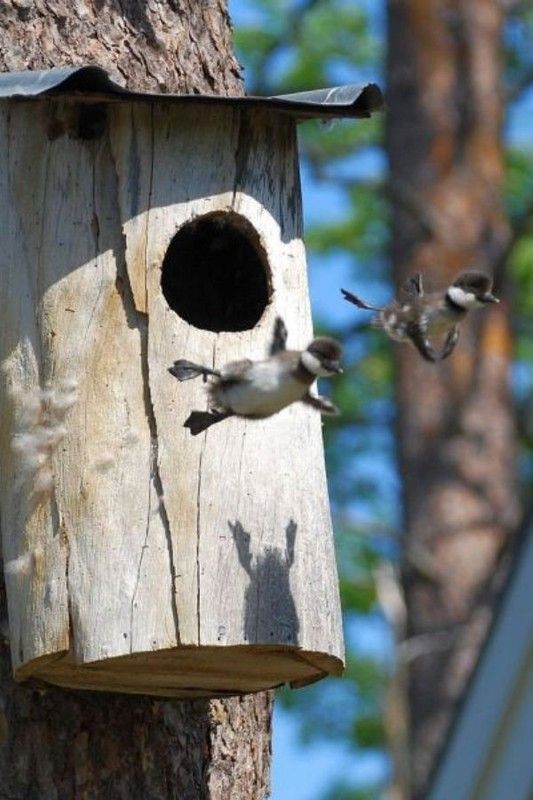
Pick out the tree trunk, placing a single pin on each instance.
(59, 744)
(162, 46)
(456, 439)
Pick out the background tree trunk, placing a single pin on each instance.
(456, 438)
(58, 744)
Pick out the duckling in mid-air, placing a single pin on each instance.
(419, 315)
(258, 389)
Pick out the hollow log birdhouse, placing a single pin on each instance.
(139, 229)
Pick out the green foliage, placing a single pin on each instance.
(342, 792)
(350, 709)
(520, 268)
(519, 200)
(519, 56)
(363, 229)
(313, 40)
(369, 731)
(336, 140)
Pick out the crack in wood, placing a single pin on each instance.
(138, 577)
(242, 151)
(65, 543)
(198, 508)
(95, 228)
(149, 205)
(39, 277)
(155, 476)
(198, 511)
(139, 320)
(168, 533)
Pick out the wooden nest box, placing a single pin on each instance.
(138, 229)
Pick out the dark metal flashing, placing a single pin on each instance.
(88, 82)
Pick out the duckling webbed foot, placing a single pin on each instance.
(185, 370)
(199, 421)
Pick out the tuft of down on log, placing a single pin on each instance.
(138, 558)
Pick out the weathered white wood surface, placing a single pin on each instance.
(161, 562)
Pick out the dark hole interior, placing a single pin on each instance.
(215, 274)
(92, 121)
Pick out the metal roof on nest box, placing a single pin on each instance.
(353, 100)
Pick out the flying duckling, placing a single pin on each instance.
(418, 315)
(259, 389)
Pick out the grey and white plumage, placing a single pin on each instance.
(259, 389)
(419, 315)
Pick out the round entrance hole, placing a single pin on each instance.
(215, 273)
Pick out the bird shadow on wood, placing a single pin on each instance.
(270, 612)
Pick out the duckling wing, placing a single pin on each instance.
(413, 286)
(237, 372)
(279, 337)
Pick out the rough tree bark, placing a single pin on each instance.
(158, 46)
(59, 744)
(456, 439)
